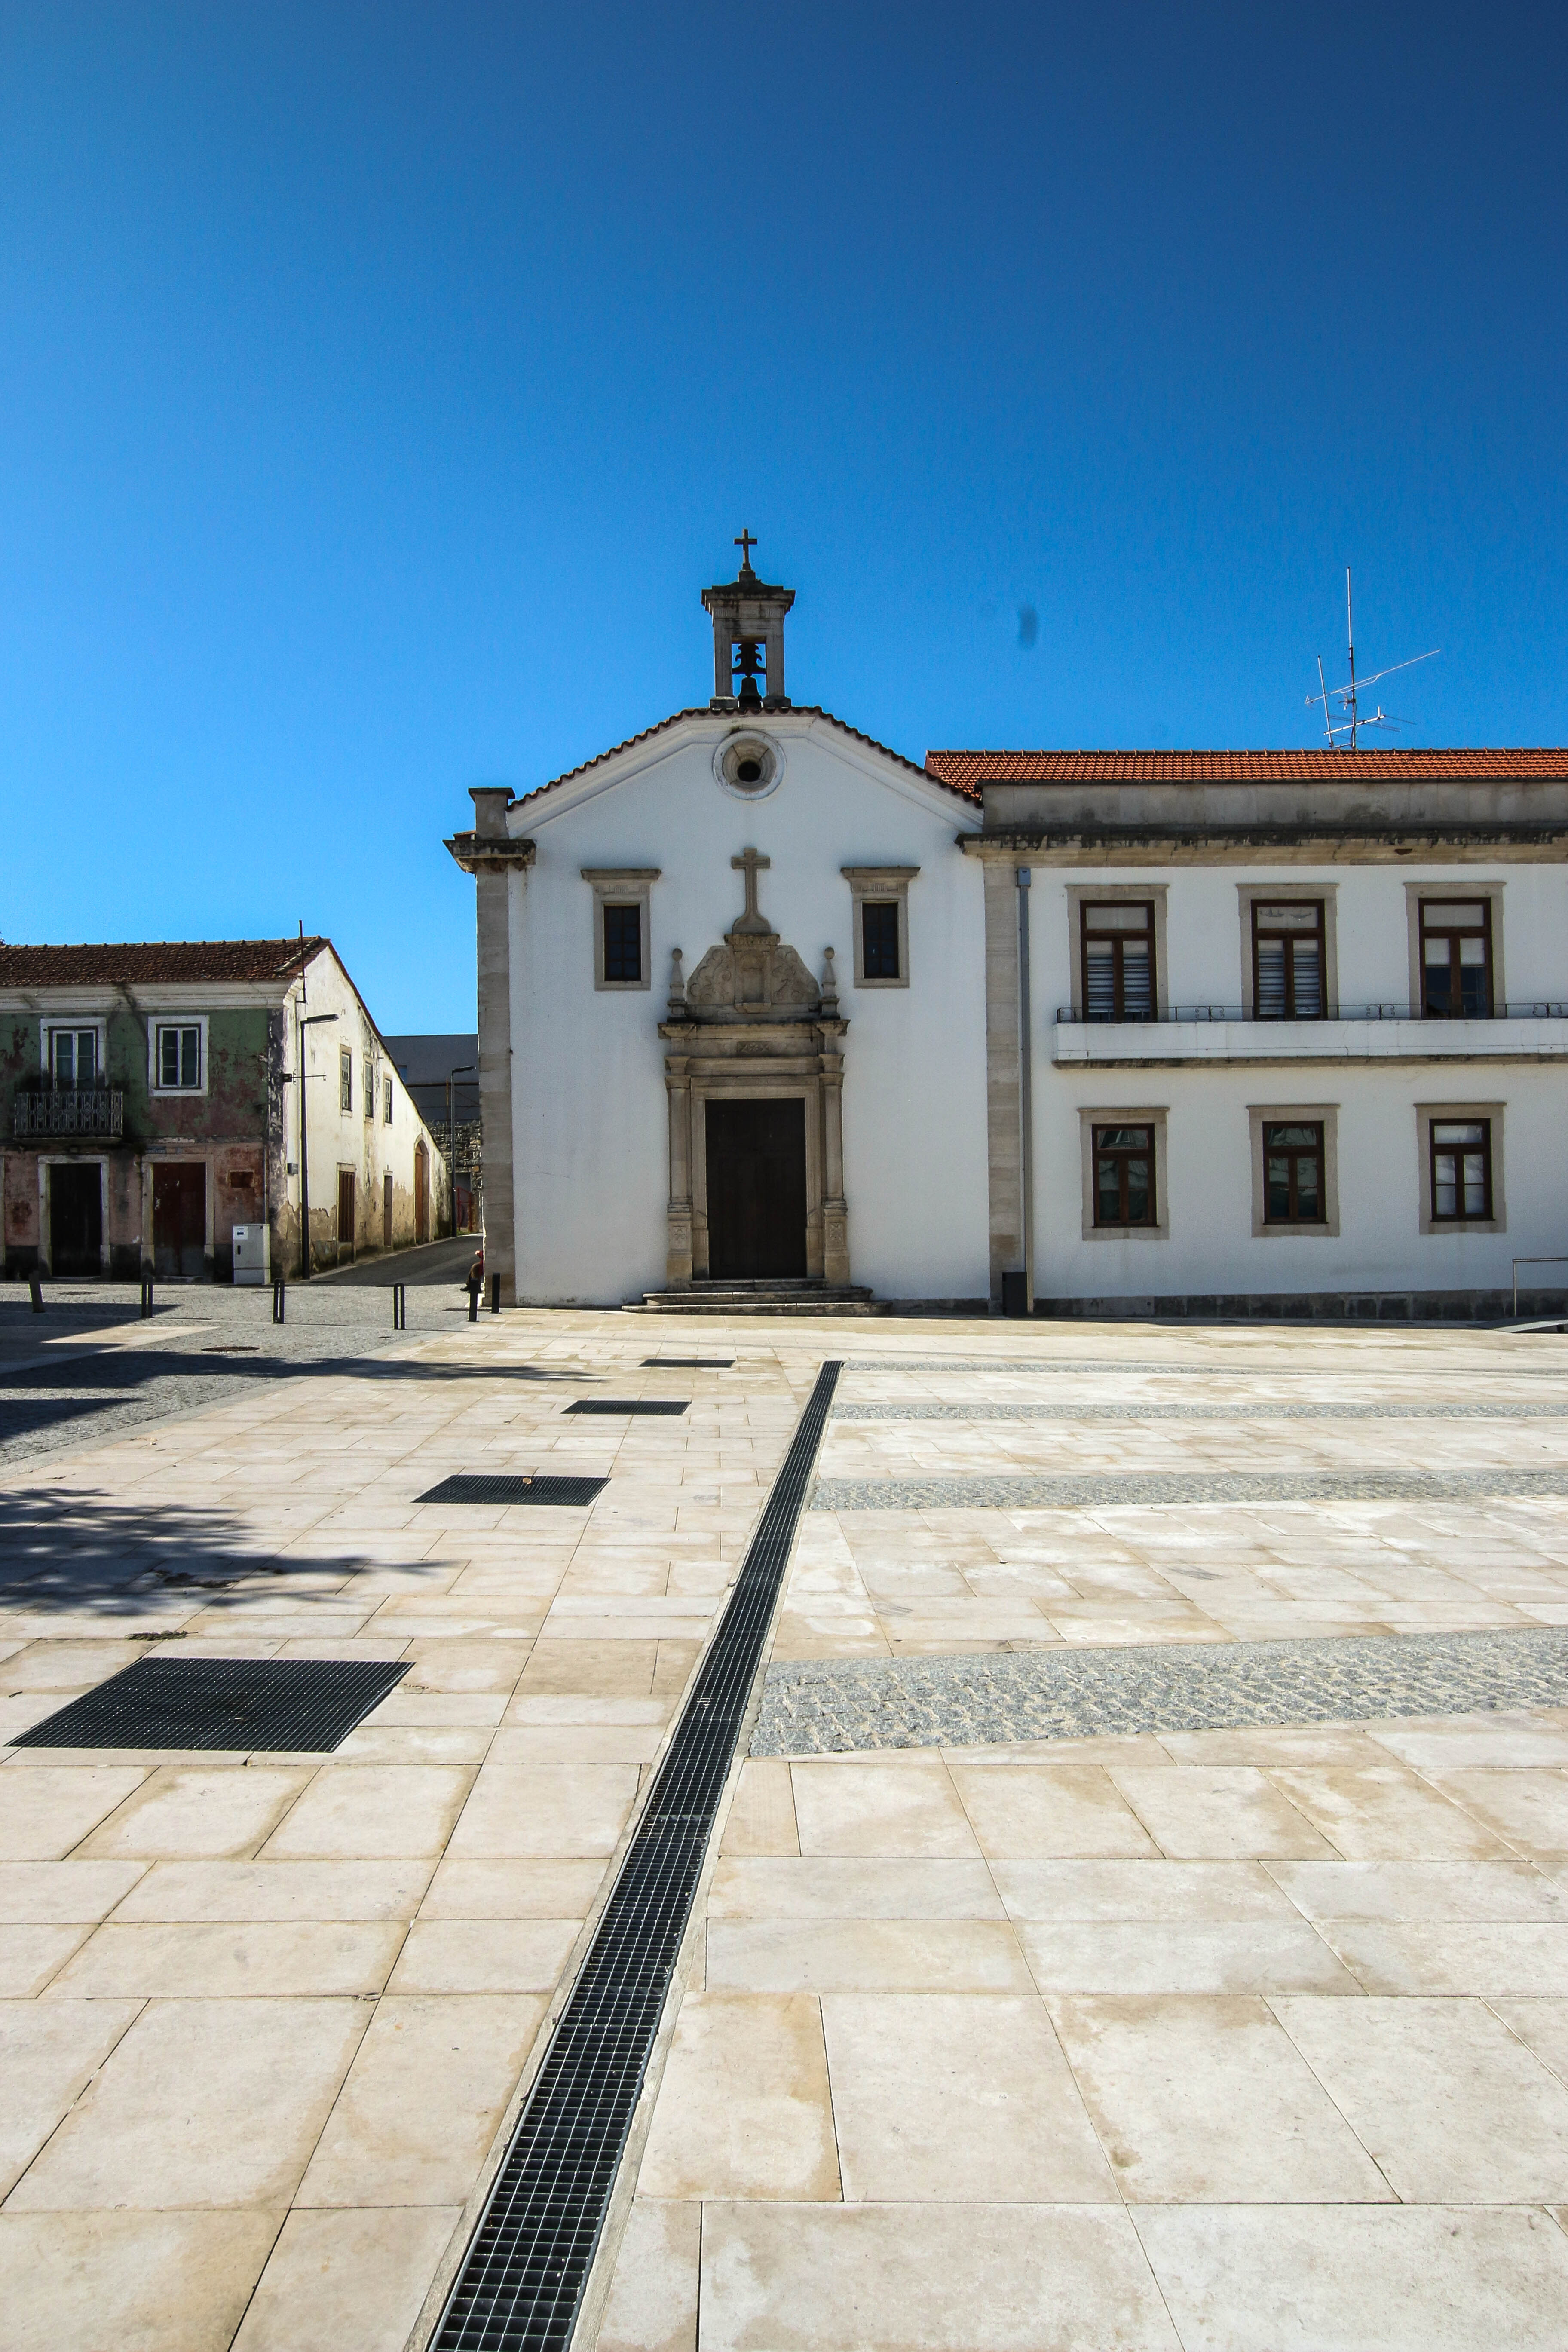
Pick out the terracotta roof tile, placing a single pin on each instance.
(796, 711)
(149, 964)
(967, 770)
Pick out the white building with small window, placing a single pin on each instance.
(768, 1011)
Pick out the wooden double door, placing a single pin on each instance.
(76, 1217)
(756, 1189)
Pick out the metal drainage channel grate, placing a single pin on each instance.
(525, 2269)
(629, 1404)
(301, 1704)
(496, 1489)
(690, 1363)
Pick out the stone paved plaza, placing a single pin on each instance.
(1230, 2039)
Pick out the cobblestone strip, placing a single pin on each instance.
(1267, 1410)
(1120, 1490)
(831, 1705)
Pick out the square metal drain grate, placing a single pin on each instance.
(302, 1704)
(479, 1488)
(629, 1404)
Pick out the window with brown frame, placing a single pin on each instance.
(1455, 958)
(623, 943)
(345, 1079)
(1124, 1176)
(1118, 962)
(1287, 959)
(1293, 1173)
(1461, 1170)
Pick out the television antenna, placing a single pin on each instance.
(1349, 719)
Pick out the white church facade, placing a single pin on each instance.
(768, 1012)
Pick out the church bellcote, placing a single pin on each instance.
(748, 638)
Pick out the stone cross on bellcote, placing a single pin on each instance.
(754, 924)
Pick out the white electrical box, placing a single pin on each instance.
(252, 1255)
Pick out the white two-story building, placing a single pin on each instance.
(765, 1007)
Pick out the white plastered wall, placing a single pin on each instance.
(1211, 1248)
(588, 1080)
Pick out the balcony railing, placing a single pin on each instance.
(1540, 1011)
(97, 1111)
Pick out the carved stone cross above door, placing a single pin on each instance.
(751, 863)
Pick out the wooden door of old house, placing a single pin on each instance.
(179, 1217)
(76, 1217)
(345, 1214)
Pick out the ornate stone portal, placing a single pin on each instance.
(752, 1022)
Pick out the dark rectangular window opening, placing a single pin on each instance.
(1461, 1170)
(623, 943)
(1293, 1173)
(1287, 960)
(1124, 1176)
(1455, 958)
(1118, 963)
(879, 938)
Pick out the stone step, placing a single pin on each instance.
(756, 1297)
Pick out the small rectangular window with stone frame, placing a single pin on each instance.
(623, 928)
(345, 1079)
(879, 896)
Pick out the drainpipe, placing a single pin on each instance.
(1025, 1093)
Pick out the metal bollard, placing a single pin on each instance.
(277, 1302)
(495, 1294)
(473, 1302)
(400, 1306)
(36, 1292)
(146, 1297)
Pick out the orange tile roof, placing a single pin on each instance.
(149, 964)
(967, 770)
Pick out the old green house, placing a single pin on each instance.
(153, 1102)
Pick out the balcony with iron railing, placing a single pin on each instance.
(60, 1113)
(1536, 1030)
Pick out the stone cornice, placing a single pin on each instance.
(485, 854)
(1317, 844)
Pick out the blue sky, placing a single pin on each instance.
(379, 385)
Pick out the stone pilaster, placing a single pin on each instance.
(491, 853)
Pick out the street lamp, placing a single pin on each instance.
(463, 1070)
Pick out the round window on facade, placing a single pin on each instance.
(748, 765)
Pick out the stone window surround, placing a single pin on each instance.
(1106, 894)
(1439, 1114)
(1283, 894)
(1121, 1115)
(345, 1080)
(157, 1021)
(98, 1022)
(881, 882)
(621, 885)
(1327, 1116)
(1463, 891)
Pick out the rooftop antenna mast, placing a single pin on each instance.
(1349, 719)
